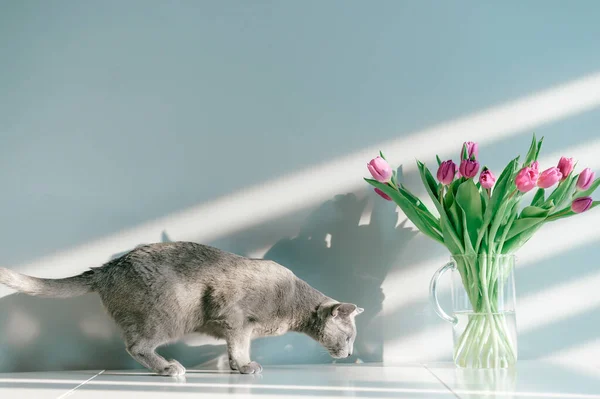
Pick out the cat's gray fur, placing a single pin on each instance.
(158, 293)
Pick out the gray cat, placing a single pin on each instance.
(158, 293)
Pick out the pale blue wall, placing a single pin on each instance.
(115, 113)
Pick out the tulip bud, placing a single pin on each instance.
(382, 194)
(585, 180)
(446, 172)
(582, 204)
(487, 179)
(535, 166)
(469, 168)
(380, 169)
(549, 177)
(470, 150)
(565, 165)
(526, 179)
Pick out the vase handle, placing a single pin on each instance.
(433, 293)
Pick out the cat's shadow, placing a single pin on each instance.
(345, 249)
(333, 252)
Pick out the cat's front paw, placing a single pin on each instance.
(233, 364)
(174, 369)
(251, 368)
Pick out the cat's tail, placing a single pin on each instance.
(49, 288)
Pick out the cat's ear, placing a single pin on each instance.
(339, 310)
(325, 311)
(345, 310)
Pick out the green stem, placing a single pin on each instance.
(558, 215)
(509, 224)
(486, 302)
(486, 340)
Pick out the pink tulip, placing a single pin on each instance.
(585, 180)
(380, 169)
(549, 177)
(526, 179)
(446, 172)
(383, 195)
(487, 179)
(535, 166)
(582, 204)
(469, 168)
(472, 150)
(565, 165)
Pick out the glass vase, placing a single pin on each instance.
(483, 310)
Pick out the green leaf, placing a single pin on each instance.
(590, 190)
(534, 212)
(449, 198)
(538, 198)
(516, 242)
(529, 218)
(469, 200)
(454, 186)
(520, 225)
(421, 206)
(564, 192)
(539, 148)
(439, 161)
(492, 216)
(429, 180)
(455, 216)
(411, 211)
(451, 240)
(511, 215)
(464, 152)
(485, 200)
(504, 185)
(532, 153)
(381, 155)
(467, 237)
(454, 213)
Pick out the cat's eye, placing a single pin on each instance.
(347, 339)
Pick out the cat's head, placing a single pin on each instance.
(338, 330)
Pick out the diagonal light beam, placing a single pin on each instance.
(315, 184)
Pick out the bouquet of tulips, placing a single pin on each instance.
(479, 220)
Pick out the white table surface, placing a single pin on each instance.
(431, 381)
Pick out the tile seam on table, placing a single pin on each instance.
(70, 392)
(441, 381)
